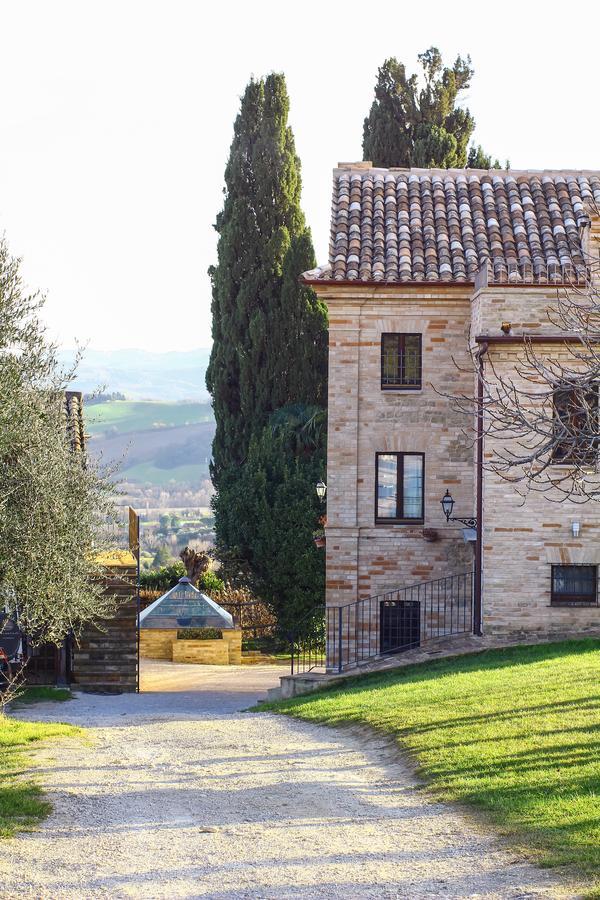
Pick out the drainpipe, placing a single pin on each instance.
(477, 600)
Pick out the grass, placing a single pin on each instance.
(513, 733)
(22, 805)
(43, 693)
(129, 415)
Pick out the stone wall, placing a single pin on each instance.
(364, 558)
(521, 541)
(157, 643)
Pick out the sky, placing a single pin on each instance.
(116, 120)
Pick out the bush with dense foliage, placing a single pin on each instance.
(210, 583)
(199, 634)
(167, 577)
(163, 578)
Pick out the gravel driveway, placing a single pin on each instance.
(182, 794)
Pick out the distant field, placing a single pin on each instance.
(146, 472)
(153, 442)
(126, 416)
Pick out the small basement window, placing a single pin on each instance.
(574, 585)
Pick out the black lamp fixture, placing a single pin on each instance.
(447, 502)
(321, 489)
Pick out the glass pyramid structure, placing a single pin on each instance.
(184, 606)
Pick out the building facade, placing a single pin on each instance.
(430, 270)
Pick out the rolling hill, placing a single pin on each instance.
(154, 442)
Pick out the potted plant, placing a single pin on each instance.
(319, 533)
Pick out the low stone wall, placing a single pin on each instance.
(163, 644)
(156, 643)
(207, 653)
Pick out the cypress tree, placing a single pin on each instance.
(269, 352)
(269, 332)
(270, 517)
(412, 126)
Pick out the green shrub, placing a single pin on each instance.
(210, 583)
(167, 577)
(163, 578)
(199, 634)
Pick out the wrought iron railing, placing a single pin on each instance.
(338, 638)
(308, 642)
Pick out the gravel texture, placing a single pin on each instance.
(182, 794)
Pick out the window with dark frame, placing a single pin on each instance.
(401, 362)
(576, 585)
(399, 487)
(575, 426)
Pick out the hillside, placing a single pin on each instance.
(125, 416)
(155, 443)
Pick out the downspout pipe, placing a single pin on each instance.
(477, 599)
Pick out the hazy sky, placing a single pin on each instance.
(116, 120)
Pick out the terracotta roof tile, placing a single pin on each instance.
(403, 225)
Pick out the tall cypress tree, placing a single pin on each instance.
(269, 350)
(412, 126)
(269, 332)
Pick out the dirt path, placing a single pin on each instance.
(180, 794)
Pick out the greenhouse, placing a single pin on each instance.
(184, 606)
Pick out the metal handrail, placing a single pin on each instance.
(341, 637)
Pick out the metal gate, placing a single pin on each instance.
(399, 625)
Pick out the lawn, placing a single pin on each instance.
(22, 804)
(42, 693)
(127, 415)
(513, 733)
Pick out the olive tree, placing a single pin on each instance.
(54, 502)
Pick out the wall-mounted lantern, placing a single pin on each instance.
(321, 489)
(447, 502)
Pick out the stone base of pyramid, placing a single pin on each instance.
(156, 643)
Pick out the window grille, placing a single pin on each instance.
(574, 585)
(575, 426)
(401, 362)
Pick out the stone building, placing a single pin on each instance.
(425, 264)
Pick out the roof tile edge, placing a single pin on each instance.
(368, 166)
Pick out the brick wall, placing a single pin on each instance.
(157, 643)
(364, 558)
(160, 643)
(520, 543)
